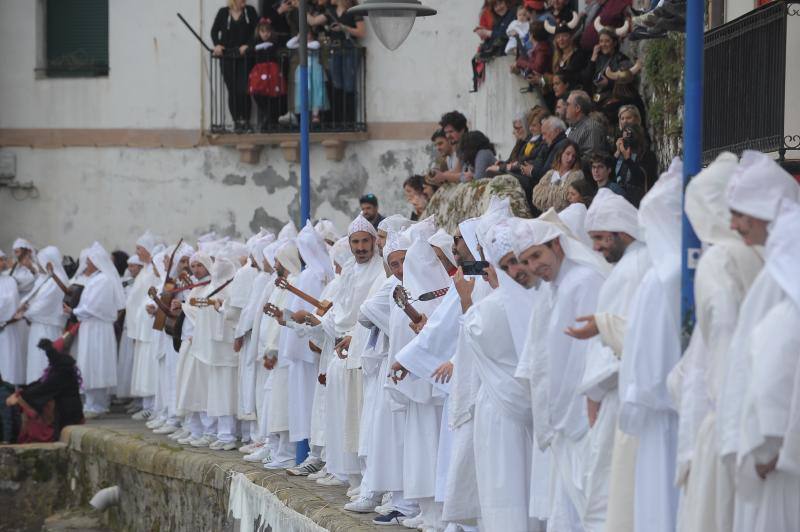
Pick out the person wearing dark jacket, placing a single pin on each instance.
(54, 400)
(231, 34)
(636, 167)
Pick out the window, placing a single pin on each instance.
(77, 38)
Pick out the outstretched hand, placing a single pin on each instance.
(443, 373)
(589, 330)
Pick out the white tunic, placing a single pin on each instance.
(96, 342)
(46, 314)
(12, 363)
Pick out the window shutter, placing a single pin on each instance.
(77, 38)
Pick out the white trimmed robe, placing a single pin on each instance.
(96, 342)
(12, 364)
(140, 327)
(46, 314)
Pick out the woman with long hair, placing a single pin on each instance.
(476, 153)
(551, 190)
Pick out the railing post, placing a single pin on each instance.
(692, 151)
(305, 176)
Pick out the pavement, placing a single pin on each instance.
(129, 443)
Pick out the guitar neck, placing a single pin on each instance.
(60, 284)
(305, 297)
(412, 313)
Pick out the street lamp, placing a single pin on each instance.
(392, 20)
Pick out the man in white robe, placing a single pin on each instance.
(724, 273)
(42, 308)
(139, 324)
(249, 362)
(126, 343)
(608, 468)
(11, 368)
(25, 271)
(100, 303)
(553, 362)
(755, 193)
(651, 348)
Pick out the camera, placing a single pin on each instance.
(628, 139)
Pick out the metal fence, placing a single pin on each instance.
(744, 83)
(258, 93)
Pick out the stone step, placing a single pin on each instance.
(78, 520)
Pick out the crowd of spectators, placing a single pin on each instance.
(258, 58)
(588, 131)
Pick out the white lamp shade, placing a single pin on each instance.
(392, 26)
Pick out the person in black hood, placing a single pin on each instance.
(53, 401)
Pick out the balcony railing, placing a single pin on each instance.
(745, 74)
(259, 93)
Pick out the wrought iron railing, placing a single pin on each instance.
(744, 83)
(258, 93)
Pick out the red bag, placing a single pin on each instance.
(266, 79)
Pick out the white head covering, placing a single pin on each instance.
(314, 252)
(499, 209)
(396, 242)
(783, 250)
(327, 230)
(467, 228)
(158, 248)
(134, 260)
(340, 252)
(361, 224)
(208, 237)
(257, 248)
(395, 222)
(185, 250)
(102, 261)
(222, 271)
(758, 186)
(287, 231)
(202, 258)
(499, 240)
(574, 217)
(611, 212)
(529, 233)
(52, 255)
(21, 243)
(289, 257)
(269, 252)
(423, 229)
(148, 241)
(422, 270)
(444, 241)
(706, 203)
(233, 251)
(2, 254)
(660, 220)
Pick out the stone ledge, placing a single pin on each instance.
(120, 451)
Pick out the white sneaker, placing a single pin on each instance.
(249, 448)
(220, 445)
(166, 429)
(202, 441)
(142, 415)
(384, 509)
(279, 465)
(362, 505)
(413, 522)
(355, 490)
(331, 480)
(259, 455)
(179, 434)
(186, 440)
(91, 415)
(289, 119)
(309, 465)
(155, 423)
(322, 473)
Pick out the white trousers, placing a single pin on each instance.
(97, 400)
(226, 428)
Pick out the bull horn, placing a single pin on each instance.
(549, 27)
(598, 26)
(573, 23)
(624, 30)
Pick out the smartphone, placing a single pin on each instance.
(474, 267)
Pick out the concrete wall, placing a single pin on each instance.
(157, 82)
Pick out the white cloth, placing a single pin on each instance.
(12, 363)
(612, 212)
(96, 342)
(759, 185)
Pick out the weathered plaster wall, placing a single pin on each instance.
(113, 194)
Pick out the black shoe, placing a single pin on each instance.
(392, 518)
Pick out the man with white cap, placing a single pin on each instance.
(249, 363)
(192, 371)
(613, 225)
(139, 323)
(126, 343)
(553, 362)
(755, 193)
(651, 348)
(768, 462)
(12, 368)
(100, 303)
(42, 308)
(725, 271)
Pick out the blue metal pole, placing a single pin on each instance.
(305, 173)
(692, 153)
